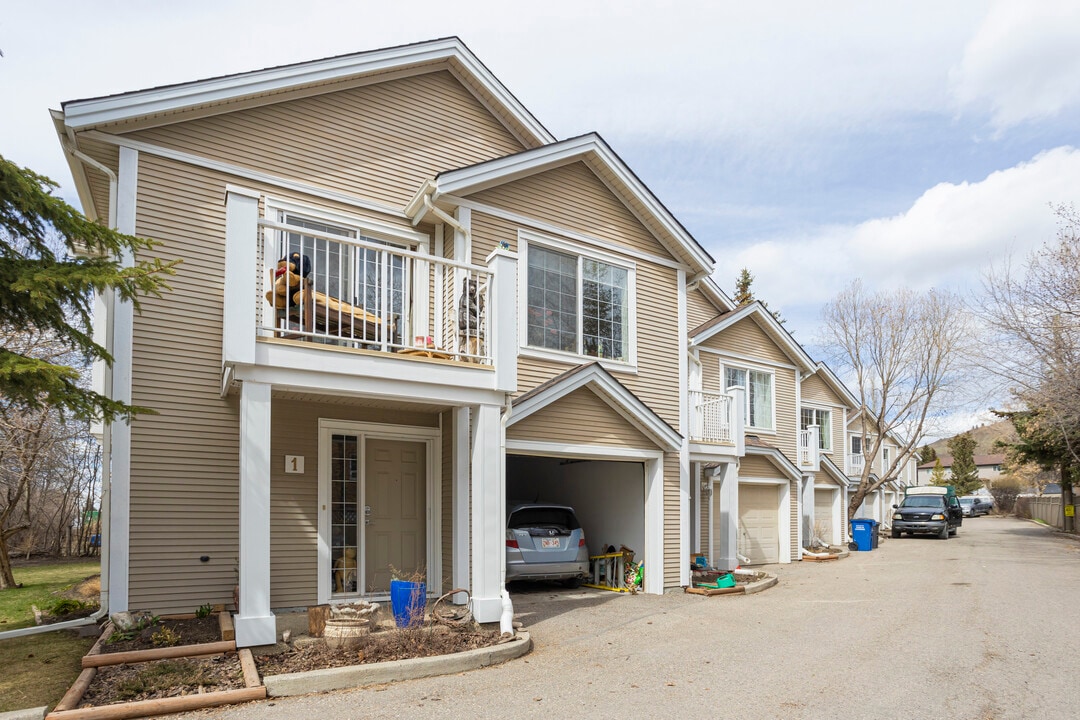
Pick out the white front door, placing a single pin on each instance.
(379, 508)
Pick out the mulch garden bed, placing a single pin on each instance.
(163, 679)
(382, 646)
(189, 631)
(187, 676)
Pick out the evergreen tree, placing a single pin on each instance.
(964, 474)
(937, 475)
(744, 295)
(52, 260)
(927, 454)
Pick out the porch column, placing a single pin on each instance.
(255, 624)
(460, 508)
(241, 243)
(808, 511)
(726, 495)
(488, 514)
(502, 309)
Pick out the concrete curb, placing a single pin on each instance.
(28, 714)
(759, 585)
(376, 673)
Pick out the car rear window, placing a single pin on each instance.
(542, 517)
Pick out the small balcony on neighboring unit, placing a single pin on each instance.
(716, 421)
(855, 464)
(810, 448)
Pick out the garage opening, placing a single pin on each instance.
(608, 496)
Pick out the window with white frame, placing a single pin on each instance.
(821, 418)
(856, 444)
(577, 304)
(759, 394)
(885, 460)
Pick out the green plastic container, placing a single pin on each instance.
(725, 581)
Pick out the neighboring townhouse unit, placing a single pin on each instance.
(878, 504)
(402, 304)
(766, 493)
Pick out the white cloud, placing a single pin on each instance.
(1022, 62)
(944, 239)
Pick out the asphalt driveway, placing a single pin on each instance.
(983, 625)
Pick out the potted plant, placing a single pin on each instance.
(408, 596)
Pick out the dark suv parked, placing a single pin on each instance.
(939, 515)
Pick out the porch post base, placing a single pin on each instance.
(487, 610)
(255, 630)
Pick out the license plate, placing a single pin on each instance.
(549, 543)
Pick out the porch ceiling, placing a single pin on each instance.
(327, 399)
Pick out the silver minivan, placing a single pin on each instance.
(545, 542)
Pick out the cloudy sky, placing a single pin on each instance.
(906, 143)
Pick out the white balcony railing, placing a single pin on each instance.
(809, 447)
(712, 417)
(362, 293)
(855, 464)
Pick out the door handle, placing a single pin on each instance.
(367, 515)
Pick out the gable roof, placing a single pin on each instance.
(833, 470)
(218, 94)
(594, 377)
(601, 159)
(766, 321)
(755, 446)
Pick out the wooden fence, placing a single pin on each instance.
(1046, 508)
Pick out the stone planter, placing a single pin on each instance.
(345, 634)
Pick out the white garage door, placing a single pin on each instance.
(759, 535)
(823, 513)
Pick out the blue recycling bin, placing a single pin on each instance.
(862, 533)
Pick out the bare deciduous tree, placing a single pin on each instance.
(903, 352)
(1032, 318)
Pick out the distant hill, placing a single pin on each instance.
(985, 437)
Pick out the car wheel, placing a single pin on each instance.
(944, 534)
(572, 583)
(896, 534)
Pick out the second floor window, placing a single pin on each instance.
(856, 444)
(577, 305)
(759, 395)
(813, 416)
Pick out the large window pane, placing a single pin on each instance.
(552, 309)
(760, 399)
(603, 310)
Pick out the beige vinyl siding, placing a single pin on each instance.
(673, 562)
(294, 509)
(184, 460)
(377, 141)
(787, 416)
(755, 466)
(699, 309)
(573, 197)
(704, 499)
(580, 418)
(746, 338)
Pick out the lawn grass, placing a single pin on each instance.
(39, 669)
(39, 582)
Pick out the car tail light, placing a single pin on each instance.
(581, 542)
(511, 544)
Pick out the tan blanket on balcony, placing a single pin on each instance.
(332, 315)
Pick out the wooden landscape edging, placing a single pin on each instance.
(78, 688)
(162, 706)
(825, 558)
(66, 710)
(179, 651)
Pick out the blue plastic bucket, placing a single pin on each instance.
(408, 600)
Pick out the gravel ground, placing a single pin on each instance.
(980, 626)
